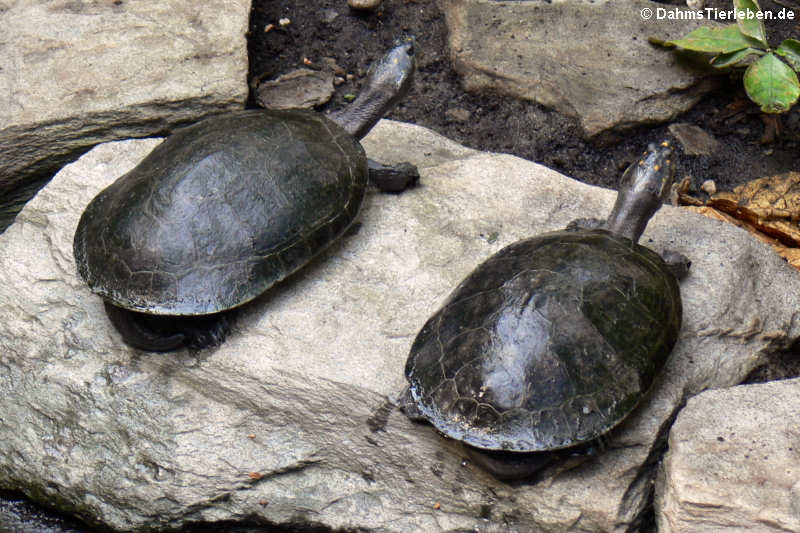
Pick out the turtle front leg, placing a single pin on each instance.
(392, 178)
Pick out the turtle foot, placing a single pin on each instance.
(677, 263)
(167, 333)
(393, 178)
(586, 223)
(510, 466)
(137, 330)
(530, 466)
(408, 406)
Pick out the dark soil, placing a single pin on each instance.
(327, 28)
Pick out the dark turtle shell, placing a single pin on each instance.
(221, 211)
(548, 344)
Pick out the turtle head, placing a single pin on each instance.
(393, 74)
(388, 81)
(644, 186)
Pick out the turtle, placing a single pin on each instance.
(553, 340)
(225, 208)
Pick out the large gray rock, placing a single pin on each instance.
(288, 420)
(80, 73)
(733, 462)
(585, 58)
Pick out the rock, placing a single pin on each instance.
(111, 70)
(303, 87)
(293, 409)
(733, 462)
(609, 78)
(694, 139)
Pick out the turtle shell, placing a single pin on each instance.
(548, 344)
(221, 211)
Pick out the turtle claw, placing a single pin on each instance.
(211, 331)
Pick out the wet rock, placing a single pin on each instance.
(609, 78)
(18, 515)
(289, 421)
(733, 462)
(303, 87)
(694, 139)
(80, 73)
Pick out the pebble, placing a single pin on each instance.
(329, 15)
(709, 187)
(368, 5)
(458, 114)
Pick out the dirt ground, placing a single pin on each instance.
(328, 28)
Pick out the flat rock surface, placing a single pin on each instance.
(78, 73)
(289, 422)
(587, 59)
(734, 462)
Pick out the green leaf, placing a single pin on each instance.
(771, 84)
(790, 49)
(718, 40)
(752, 27)
(660, 42)
(732, 58)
